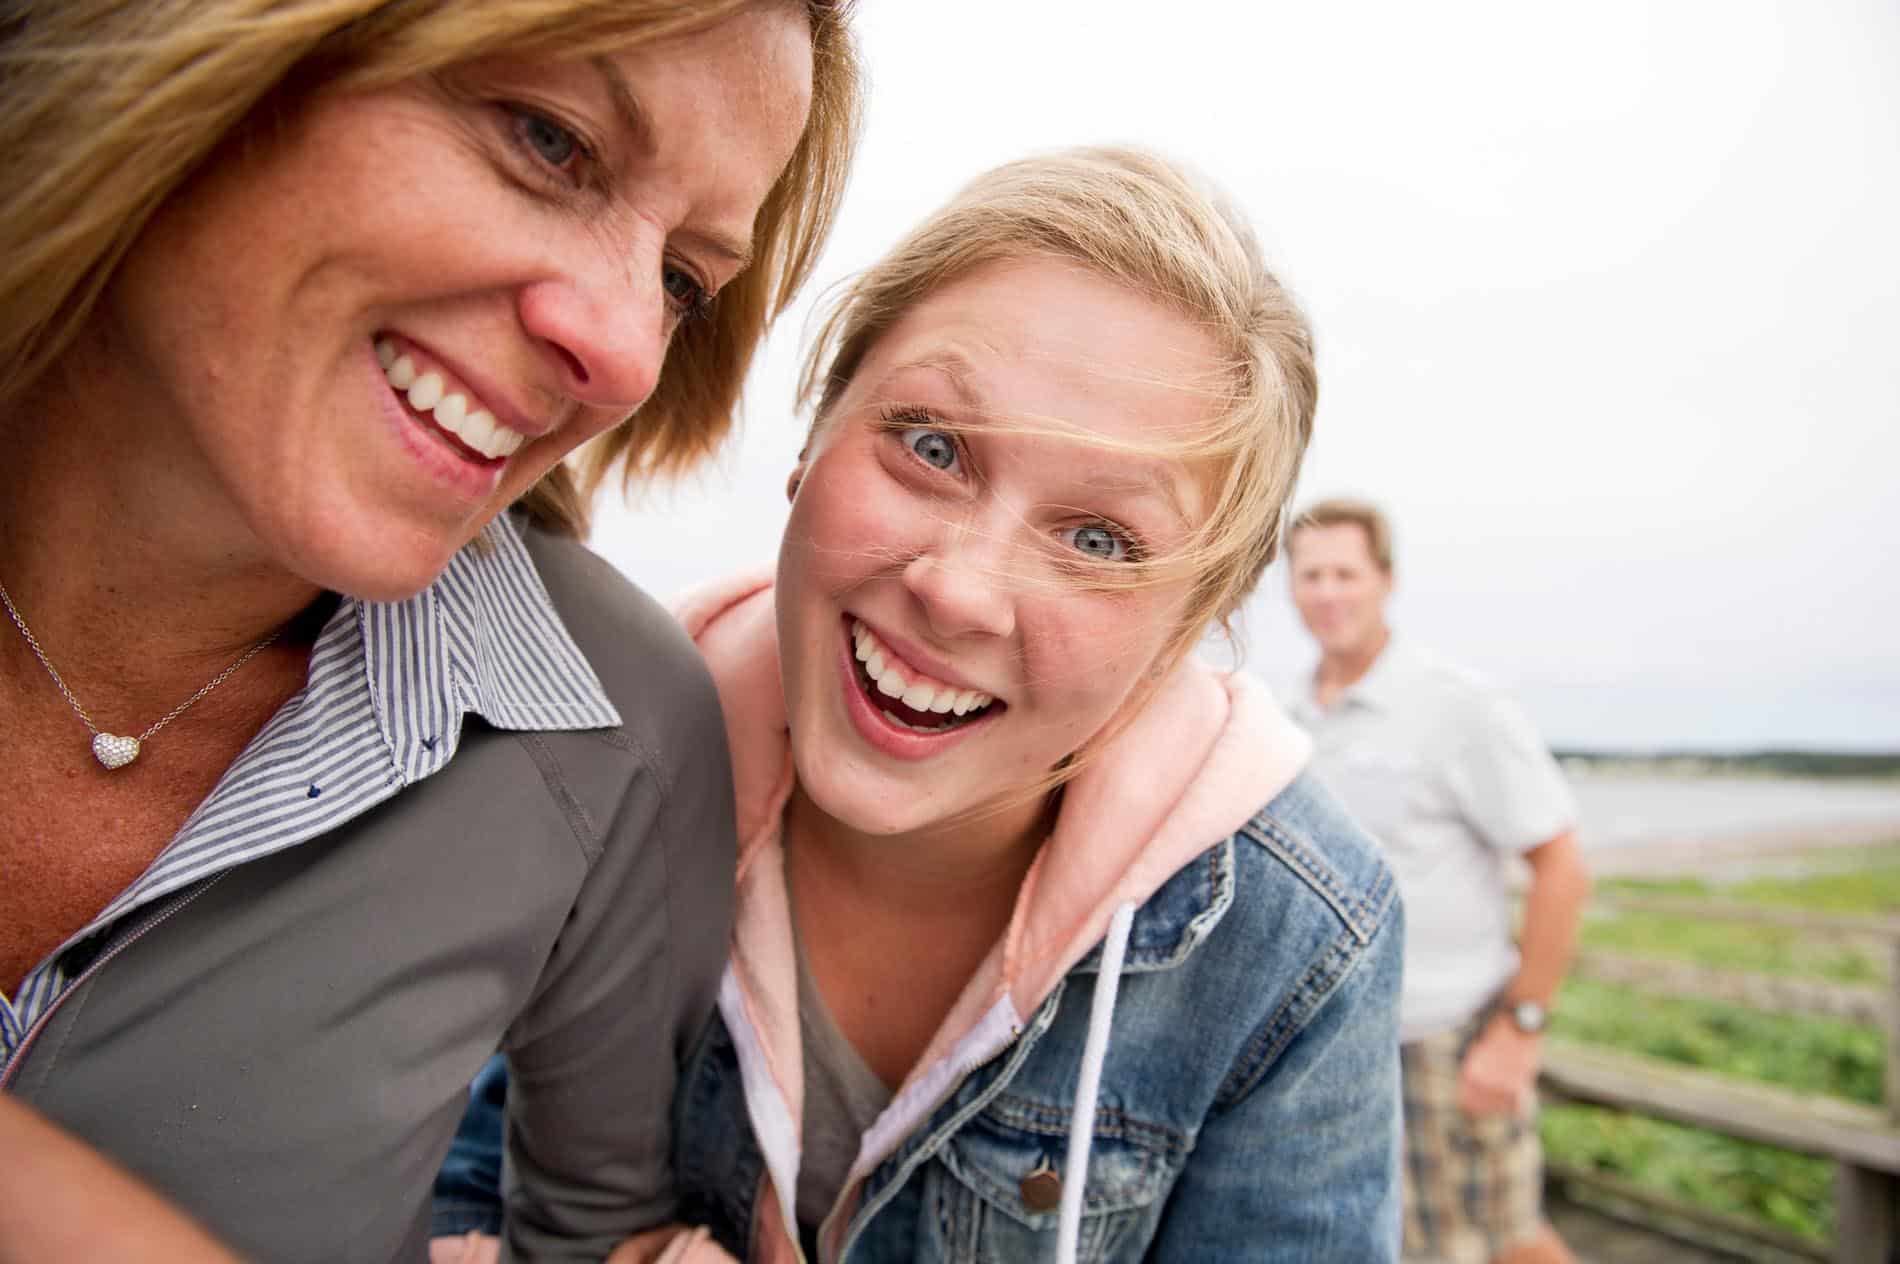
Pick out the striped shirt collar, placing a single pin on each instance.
(483, 638)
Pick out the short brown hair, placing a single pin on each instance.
(1344, 511)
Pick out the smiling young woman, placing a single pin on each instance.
(297, 302)
(1047, 947)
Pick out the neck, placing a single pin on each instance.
(948, 870)
(135, 576)
(1340, 669)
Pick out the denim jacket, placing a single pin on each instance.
(1247, 1101)
(1248, 1107)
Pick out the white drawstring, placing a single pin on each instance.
(1095, 1052)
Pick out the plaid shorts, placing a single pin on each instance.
(1472, 1186)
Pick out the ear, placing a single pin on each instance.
(796, 477)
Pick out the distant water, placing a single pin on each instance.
(1631, 810)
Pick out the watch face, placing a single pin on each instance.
(1529, 1016)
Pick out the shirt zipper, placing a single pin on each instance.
(32, 1033)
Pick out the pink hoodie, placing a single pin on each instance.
(1206, 754)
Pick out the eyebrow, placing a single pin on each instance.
(957, 370)
(634, 121)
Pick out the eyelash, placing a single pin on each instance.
(897, 421)
(521, 117)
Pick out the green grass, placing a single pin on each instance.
(1808, 1055)
(1860, 882)
(1789, 1191)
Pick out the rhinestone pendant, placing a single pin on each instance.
(114, 751)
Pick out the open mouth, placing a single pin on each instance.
(906, 697)
(436, 401)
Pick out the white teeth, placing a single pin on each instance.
(919, 694)
(427, 393)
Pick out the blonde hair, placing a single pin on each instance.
(110, 106)
(1344, 511)
(1139, 220)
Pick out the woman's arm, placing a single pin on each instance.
(593, 1060)
(1302, 1165)
(62, 1200)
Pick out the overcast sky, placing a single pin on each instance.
(1608, 300)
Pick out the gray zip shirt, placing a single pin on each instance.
(283, 1045)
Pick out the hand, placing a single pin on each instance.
(674, 1244)
(1499, 1073)
(466, 1248)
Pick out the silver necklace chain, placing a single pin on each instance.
(111, 750)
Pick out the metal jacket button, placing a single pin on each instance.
(1042, 1188)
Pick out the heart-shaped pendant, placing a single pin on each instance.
(114, 751)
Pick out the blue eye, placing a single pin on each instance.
(548, 140)
(1097, 542)
(686, 293)
(933, 447)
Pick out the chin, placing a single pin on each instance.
(386, 565)
(856, 798)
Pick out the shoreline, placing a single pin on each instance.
(1689, 855)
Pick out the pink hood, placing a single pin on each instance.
(1207, 753)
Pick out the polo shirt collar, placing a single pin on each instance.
(1381, 686)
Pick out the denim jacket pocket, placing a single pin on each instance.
(993, 1193)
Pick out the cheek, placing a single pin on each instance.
(849, 521)
(1091, 652)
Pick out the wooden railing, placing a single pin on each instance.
(1862, 1141)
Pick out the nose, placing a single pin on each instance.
(962, 584)
(602, 316)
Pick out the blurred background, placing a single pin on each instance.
(1608, 300)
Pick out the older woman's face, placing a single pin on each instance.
(371, 334)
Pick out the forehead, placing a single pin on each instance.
(721, 108)
(1335, 544)
(1045, 346)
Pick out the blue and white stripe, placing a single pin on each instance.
(381, 709)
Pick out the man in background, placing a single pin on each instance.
(1448, 773)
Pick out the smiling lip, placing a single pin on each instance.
(465, 474)
(487, 394)
(914, 656)
(880, 730)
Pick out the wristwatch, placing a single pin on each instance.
(1527, 1016)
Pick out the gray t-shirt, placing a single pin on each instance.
(843, 1098)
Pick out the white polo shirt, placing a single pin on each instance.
(1447, 771)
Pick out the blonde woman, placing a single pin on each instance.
(327, 774)
(1045, 946)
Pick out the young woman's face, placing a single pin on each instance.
(945, 631)
(371, 333)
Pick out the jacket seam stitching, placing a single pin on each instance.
(1359, 909)
(1321, 981)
